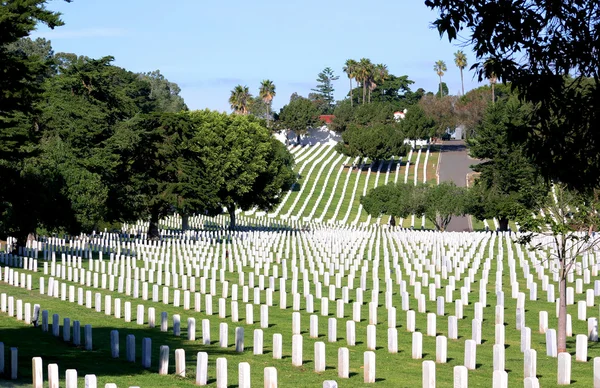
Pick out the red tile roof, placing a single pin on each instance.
(327, 119)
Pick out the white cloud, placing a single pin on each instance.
(65, 33)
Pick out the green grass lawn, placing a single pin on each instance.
(305, 180)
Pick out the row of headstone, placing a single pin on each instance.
(524, 331)
(202, 369)
(53, 379)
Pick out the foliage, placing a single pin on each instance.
(508, 184)
(299, 115)
(470, 109)
(350, 69)
(251, 168)
(394, 89)
(563, 234)
(460, 60)
(440, 67)
(443, 89)
(441, 110)
(320, 104)
(378, 141)
(21, 80)
(556, 41)
(72, 166)
(343, 116)
(439, 203)
(258, 108)
(391, 199)
(374, 113)
(417, 125)
(165, 93)
(364, 70)
(362, 115)
(240, 99)
(159, 169)
(442, 202)
(87, 99)
(325, 88)
(266, 94)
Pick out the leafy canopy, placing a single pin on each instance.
(508, 184)
(439, 203)
(547, 51)
(299, 115)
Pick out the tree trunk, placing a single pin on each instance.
(153, 233)
(392, 221)
(185, 222)
(441, 224)
(231, 211)
(22, 238)
(561, 334)
(364, 92)
(25, 233)
(441, 91)
(268, 113)
(462, 82)
(351, 97)
(503, 224)
(493, 93)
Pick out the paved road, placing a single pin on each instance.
(454, 167)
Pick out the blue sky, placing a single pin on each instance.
(207, 47)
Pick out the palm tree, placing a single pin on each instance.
(460, 59)
(239, 99)
(493, 79)
(364, 72)
(490, 74)
(350, 70)
(380, 74)
(267, 92)
(440, 67)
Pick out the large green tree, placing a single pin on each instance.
(159, 168)
(299, 116)
(21, 79)
(417, 125)
(508, 184)
(471, 107)
(254, 169)
(395, 89)
(377, 142)
(391, 199)
(441, 110)
(164, 92)
(325, 88)
(558, 72)
(81, 109)
(442, 202)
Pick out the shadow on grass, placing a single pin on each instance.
(33, 342)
